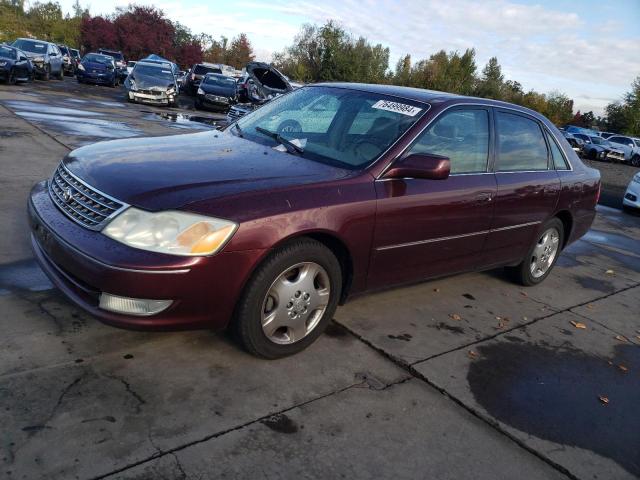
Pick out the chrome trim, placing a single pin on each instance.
(106, 220)
(455, 237)
(459, 104)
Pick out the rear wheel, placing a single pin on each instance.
(635, 161)
(542, 255)
(60, 75)
(289, 300)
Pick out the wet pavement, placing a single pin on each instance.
(464, 377)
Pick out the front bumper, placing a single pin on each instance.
(152, 98)
(106, 78)
(214, 103)
(631, 197)
(84, 263)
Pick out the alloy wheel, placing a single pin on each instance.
(295, 303)
(545, 252)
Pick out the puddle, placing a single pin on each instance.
(110, 104)
(46, 109)
(553, 394)
(610, 239)
(184, 120)
(75, 100)
(84, 127)
(23, 275)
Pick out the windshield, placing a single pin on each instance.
(63, 49)
(220, 81)
(94, 58)
(338, 126)
(75, 53)
(152, 71)
(115, 55)
(7, 52)
(637, 142)
(598, 140)
(201, 70)
(131, 64)
(31, 46)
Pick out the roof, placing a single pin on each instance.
(424, 95)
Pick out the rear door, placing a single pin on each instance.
(428, 228)
(528, 186)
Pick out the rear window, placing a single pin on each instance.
(202, 70)
(31, 46)
(521, 145)
(559, 161)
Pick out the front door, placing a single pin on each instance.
(427, 228)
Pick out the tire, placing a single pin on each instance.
(11, 78)
(47, 73)
(303, 273)
(635, 161)
(60, 75)
(593, 155)
(527, 273)
(197, 105)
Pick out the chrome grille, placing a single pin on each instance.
(80, 202)
(234, 114)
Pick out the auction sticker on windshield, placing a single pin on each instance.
(402, 108)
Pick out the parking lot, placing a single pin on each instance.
(464, 377)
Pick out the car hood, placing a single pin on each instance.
(218, 90)
(268, 80)
(150, 82)
(172, 172)
(34, 55)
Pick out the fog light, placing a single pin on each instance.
(132, 306)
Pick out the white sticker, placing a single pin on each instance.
(38, 45)
(396, 107)
(166, 71)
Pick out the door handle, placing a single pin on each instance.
(484, 196)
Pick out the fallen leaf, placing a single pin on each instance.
(498, 318)
(472, 354)
(603, 399)
(436, 290)
(610, 272)
(524, 294)
(590, 306)
(621, 338)
(578, 324)
(455, 316)
(623, 368)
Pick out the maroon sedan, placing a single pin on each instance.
(325, 192)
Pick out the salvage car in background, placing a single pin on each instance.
(195, 75)
(152, 83)
(15, 66)
(45, 57)
(68, 65)
(75, 55)
(216, 92)
(97, 68)
(631, 197)
(597, 148)
(631, 147)
(118, 58)
(130, 65)
(267, 232)
(576, 143)
(260, 83)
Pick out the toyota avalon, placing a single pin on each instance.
(325, 192)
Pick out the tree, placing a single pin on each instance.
(402, 75)
(97, 32)
(559, 109)
(632, 108)
(240, 52)
(142, 30)
(491, 84)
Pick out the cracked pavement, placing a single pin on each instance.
(463, 377)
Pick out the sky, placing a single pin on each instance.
(588, 49)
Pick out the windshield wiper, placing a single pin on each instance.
(238, 129)
(280, 139)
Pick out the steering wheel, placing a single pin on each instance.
(367, 147)
(289, 126)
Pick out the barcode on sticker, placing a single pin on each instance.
(402, 108)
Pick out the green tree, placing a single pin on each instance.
(491, 84)
(240, 52)
(559, 109)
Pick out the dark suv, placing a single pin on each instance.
(45, 56)
(195, 75)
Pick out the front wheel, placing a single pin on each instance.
(635, 161)
(11, 77)
(542, 255)
(289, 300)
(60, 75)
(47, 73)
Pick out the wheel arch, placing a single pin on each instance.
(567, 223)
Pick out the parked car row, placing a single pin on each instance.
(604, 146)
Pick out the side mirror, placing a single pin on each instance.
(420, 165)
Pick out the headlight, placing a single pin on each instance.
(38, 59)
(176, 233)
(2, 64)
(132, 85)
(200, 91)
